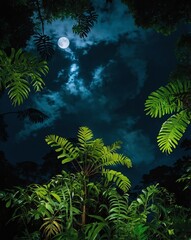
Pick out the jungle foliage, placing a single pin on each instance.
(18, 72)
(88, 202)
(173, 99)
(89, 198)
(53, 211)
(162, 16)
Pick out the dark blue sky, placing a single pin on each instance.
(101, 82)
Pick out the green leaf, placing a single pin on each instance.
(18, 72)
(56, 196)
(167, 99)
(49, 207)
(172, 130)
(8, 204)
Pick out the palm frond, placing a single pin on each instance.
(66, 149)
(172, 130)
(118, 178)
(166, 100)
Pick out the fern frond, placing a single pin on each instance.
(51, 227)
(18, 91)
(85, 136)
(118, 178)
(118, 208)
(172, 130)
(166, 99)
(67, 151)
(115, 146)
(85, 21)
(18, 72)
(116, 158)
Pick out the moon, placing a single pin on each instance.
(63, 42)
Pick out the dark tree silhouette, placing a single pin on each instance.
(162, 16)
(167, 177)
(34, 115)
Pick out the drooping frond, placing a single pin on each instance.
(51, 226)
(167, 100)
(85, 21)
(118, 215)
(18, 91)
(172, 130)
(67, 152)
(33, 114)
(118, 178)
(44, 46)
(18, 72)
(118, 207)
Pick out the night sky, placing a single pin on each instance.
(100, 82)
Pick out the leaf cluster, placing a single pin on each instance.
(173, 99)
(162, 16)
(20, 71)
(92, 157)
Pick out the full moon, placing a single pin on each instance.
(63, 42)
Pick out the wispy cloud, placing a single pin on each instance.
(112, 23)
(97, 77)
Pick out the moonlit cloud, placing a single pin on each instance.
(112, 24)
(75, 85)
(97, 77)
(95, 84)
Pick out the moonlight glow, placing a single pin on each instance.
(63, 42)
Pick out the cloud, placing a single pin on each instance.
(137, 145)
(97, 78)
(136, 64)
(111, 25)
(98, 88)
(49, 103)
(75, 85)
(99, 73)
